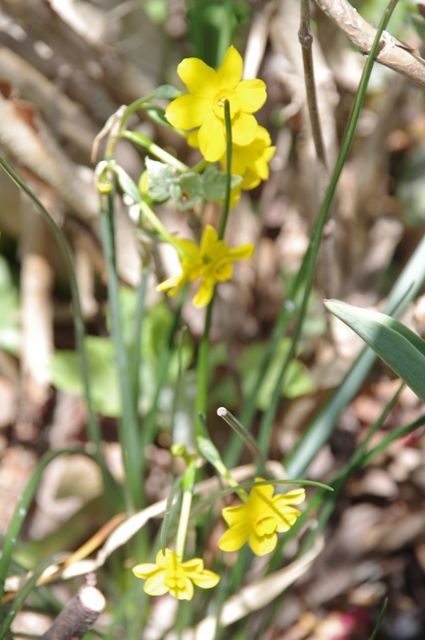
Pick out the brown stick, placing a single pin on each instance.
(78, 616)
(393, 53)
(306, 41)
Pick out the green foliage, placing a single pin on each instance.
(401, 349)
(9, 332)
(65, 371)
(186, 190)
(298, 380)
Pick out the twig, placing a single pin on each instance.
(306, 41)
(78, 616)
(392, 52)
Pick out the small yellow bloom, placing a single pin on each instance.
(211, 262)
(251, 161)
(259, 519)
(170, 574)
(203, 106)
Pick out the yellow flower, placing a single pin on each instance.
(251, 161)
(259, 519)
(203, 106)
(170, 574)
(211, 262)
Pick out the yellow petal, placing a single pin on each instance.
(206, 579)
(235, 537)
(187, 112)
(143, 571)
(251, 95)
(198, 77)
(260, 545)
(292, 497)
(223, 270)
(172, 285)
(244, 129)
(287, 519)
(234, 514)
(204, 293)
(241, 253)
(230, 72)
(209, 238)
(184, 593)
(155, 586)
(211, 138)
(194, 565)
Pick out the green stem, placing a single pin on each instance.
(79, 328)
(202, 368)
(143, 141)
(187, 485)
(129, 428)
(158, 226)
(314, 246)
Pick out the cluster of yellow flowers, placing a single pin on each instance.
(257, 521)
(201, 113)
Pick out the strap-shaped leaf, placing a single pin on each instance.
(401, 349)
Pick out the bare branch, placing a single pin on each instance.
(393, 53)
(78, 616)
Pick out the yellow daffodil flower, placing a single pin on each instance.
(170, 574)
(251, 161)
(211, 262)
(259, 519)
(203, 107)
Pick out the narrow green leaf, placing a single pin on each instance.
(126, 183)
(401, 349)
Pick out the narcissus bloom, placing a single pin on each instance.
(170, 574)
(203, 106)
(211, 262)
(259, 519)
(251, 161)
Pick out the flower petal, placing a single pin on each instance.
(241, 253)
(172, 285)
(235, 537)
(260, 545)
(194, 565)
(204, 293)
(230, 71)
(198, 77)
(212, 139)
(235, 514)
(287, 519)
(292, 497)
(251, 94)
(187, 112)
(209, 238)
(185, 592)
(206, 579)
(155, 586)
(244, 129)
(143, 571)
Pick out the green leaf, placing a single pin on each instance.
(9, 316)
(160, 178)
(187, 190)
(166, 92)
(298, 380)
(126, 183)
(401, 349)
(65, 374)
(214, 183)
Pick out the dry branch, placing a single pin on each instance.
(78, 616)
(393, 53)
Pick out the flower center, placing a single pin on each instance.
(219, 100)
(265, 526)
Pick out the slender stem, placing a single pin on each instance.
(305, 38)
(129, 428)
(157, 151)
(187, 485)
(158, 226)
(140, 312)
(226, 204)
(79, 327)
(202, 379)
(314, 246)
